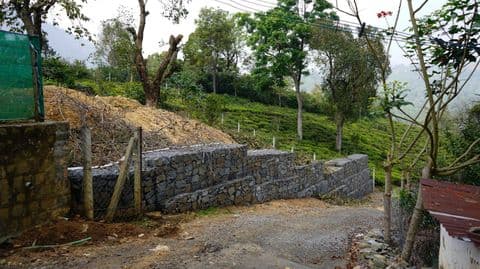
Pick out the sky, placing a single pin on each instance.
(158, 29)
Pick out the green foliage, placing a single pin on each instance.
(393, 97)
(279, 37)
(368, 136)
(352, 74)
(115, 48)
(214, 105)
(21, 16)
(215, 45)
(459, 21)
(131, 90)
(459, 136)
(58, 70)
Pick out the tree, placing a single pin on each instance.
(352, 75)
(215, 44)
(115, 47)
(29, 15)
(280, 37)
(151, 85)
(461, 133)
(440, 47)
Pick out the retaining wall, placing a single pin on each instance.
(33, 175)
(198, 177)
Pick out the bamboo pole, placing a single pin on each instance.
(124, 167)
(138, 173)
(87, 172)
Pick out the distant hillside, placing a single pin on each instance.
(416, 93)
(416, 87)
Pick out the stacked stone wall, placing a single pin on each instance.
(34, 187)
(198, 177)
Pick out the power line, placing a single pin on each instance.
(260, 3)
(237, 8)
(265, 2)
(339, 25)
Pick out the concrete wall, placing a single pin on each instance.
(179, 180)
(33, 175)
(456, 253)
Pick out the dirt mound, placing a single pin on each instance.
(113, 119)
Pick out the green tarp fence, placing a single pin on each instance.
(21, 87)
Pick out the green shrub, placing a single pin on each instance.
(214, 105)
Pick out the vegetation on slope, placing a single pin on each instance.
(260, 123)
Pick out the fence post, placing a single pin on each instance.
(373, 177)
(254, 132)
(314, 156)
(292, 149)
(124, 167)
(86, 137)
(238, 127)
(223, 118)
(138, 173)
(273, 142)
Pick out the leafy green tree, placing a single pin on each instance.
(280, 37)
(29, 15)
(351, 77)
(115, 47)
(461, 135)
(64, 73)
(215, 44)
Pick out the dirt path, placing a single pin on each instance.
(304, 233)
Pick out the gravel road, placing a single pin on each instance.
(303, 233)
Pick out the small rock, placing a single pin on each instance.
(111, 237)
(141, 235)
(160, 248)
(154, 215)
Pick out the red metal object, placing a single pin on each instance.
(455, 206)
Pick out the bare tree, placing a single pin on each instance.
(440, 63)
(151, 86)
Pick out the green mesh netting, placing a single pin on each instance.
(20, 98)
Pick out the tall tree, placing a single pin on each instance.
(352, 75)
(214, 46)
(280, 37)
(115, 46)
(151, 85)
(29, 15)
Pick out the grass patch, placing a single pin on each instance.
(213, 211)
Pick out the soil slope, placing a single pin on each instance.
(113, 120)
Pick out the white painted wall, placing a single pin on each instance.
(456, 253)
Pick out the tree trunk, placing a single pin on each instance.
(214, 81)
(299, 110)
(387, 201)
(151, 95)
(152, 87)
(416, 216)
(339, 120)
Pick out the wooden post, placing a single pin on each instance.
(223, 118)
(87, 172)
(124, 167)
(138, 173)
(273, 142)
(254, 132)
(238, 127)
